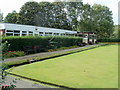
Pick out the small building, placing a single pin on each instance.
(88, 37)
(9, 29)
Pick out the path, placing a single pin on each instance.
(43, 54)
(23, 83)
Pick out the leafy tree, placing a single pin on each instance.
(52, 15)
(28, 12)
(116, 32)
(103, 21)
(97, 19)
(74, 11)
(12, 17)
(60, 19)
(68, 15)
(85, 23)
(44, 16)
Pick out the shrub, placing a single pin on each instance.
(13, 54)
(5, 46)
(18, 43)
(109, 40)
(62, 48)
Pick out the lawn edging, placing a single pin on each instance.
(36, 59)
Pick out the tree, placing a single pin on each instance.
(60, 19)
(74, 10)
(44, 16)
(27, 13)
(116, 32)
(103, 21)
(85, 23)
(12, 17)
(1, 16)
(52, 15)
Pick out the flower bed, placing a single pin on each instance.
(10, 54)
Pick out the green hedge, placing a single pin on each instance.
(48, 42)
(17, 43)
(109, 40)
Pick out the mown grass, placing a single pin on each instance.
(96, 68)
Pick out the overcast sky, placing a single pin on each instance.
(7, 6)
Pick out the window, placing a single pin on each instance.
(40, 33)
(9, 34)
(24, 33)
(10, 31)
(48, 33)
(16, 31)
(56, 33)
(30, 33)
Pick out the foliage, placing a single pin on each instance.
(60, 18)
(97, 19)
(85, 22)
(5, 46)
(13, 54)
(18, 43)
(52, 15)
(103, 21)
(62, 48)
(3, 74)
(74, 11)
(12, 17)
(44, 16)
(27, 13)
(109, 40)
(116, 33)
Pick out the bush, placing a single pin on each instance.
(5, 47)
(62, 48)
(13, 54)
(109, 40)
(61, 41)
(18, 43)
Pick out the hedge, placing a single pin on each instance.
(18, 43)
(109, 40)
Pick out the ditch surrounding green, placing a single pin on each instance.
(95, 68)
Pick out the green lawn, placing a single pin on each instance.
(95, 68)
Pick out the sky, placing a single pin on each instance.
(7, 6)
